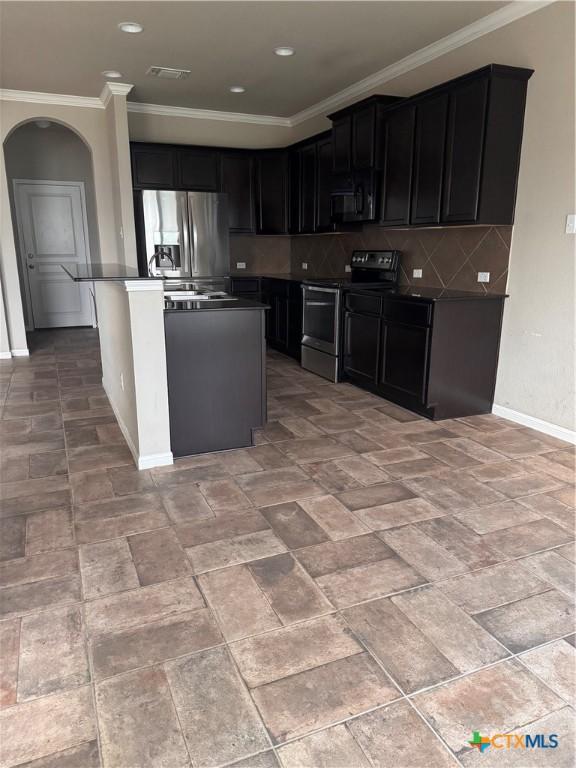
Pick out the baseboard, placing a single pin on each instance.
(142, 461)
(569, 435)
(5, 355)
(20, 352)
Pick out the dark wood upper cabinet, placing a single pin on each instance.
(464, 149)
(272, 193)
(429, 145)
(294, 176)
(153, 166)
(308, 189)
(199, 170)
(342, 144)
(324, 185)
(364, 138)
(397, 154)
(238, 183)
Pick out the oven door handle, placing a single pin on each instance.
(319, 303)
(319, 289)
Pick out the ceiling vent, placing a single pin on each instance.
(168, 73)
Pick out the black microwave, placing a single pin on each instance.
(353, 197)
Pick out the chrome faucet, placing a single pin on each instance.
(161, 253)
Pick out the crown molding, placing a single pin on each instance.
(207, 114)
(114, 89)
(58, 99)
(511, 12)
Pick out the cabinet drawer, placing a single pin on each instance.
(357, 302)
(245, 285)
(409, 312)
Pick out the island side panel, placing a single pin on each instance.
(216, 389)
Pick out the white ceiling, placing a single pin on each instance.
(62, 47)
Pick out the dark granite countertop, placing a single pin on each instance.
(212, 305)
(270, 275)
(428, 294)
(89, 272)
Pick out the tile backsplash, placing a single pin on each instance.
(449, 257)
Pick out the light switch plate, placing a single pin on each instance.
(416, 273)
(304, 265)
(240, 265)
(571, 224)
(483, 277)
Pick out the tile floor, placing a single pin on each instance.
(364, 588)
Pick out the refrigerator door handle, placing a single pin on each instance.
(193, 238)
(186, 266)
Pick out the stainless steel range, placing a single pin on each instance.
(322, 308)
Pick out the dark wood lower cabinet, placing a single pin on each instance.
(435, 357)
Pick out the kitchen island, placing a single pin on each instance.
(182, 377)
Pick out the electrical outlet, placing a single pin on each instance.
(304, 265)
(416, 273)
(571, 224)
(483, 277)
(122, 382)
(347, 268)
(240, 265)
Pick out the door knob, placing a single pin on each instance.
(30, 266)
(30, 255)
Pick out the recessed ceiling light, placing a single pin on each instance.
(284, 50)
(112, 74)
(237, 89)
(130, 26)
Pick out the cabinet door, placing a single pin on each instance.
(430, 140)
(308, 188)
(405, 358)
(464, 148)
(342, 144)
(398, 142)
(361, 339)
(238, 182)
(153, 167)
(272, 204)
(324, 185)
(198, 170)
(364, 138)
(294, 192)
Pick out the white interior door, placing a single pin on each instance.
(52, 230)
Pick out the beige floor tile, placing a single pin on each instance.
(490, 587)
(428, 557)
(189, 475)
(290, 523)
(52, 653)
(523, 485)
(98, 457)
(304, 489)
(546, 506)
(331, 556)
(498, 699)
(375, 495)
(454, 491)
(333, 517)
(225, 527)
(366, 582)
(239, 462)
(450, 455)
(397, 513)
(218, 718)
(289, 589)
(138, 722)
(501, 469)
(406, 653)
(35, 503)
(49, 530)
(270, 478)
(126, 480)
(395, 735)
(238, 602)
(27, 598)
(290, 650)
(158, 556)
(91, 486)
(331, 477)
(118, 507)
(333, 748)
(269, 457)
(319, 697)
(85, 755)
(555, 664)
(503, 515)
(233, 551)
(566, 495)
(531, 621)
(115, 613)
(314, 449)
(460, 639)
(9, 652)
(152, 643)
(527, 538)
(99, 530)
(224, 495)
(107, 567)
(43, 726)
(263, 760)
(554, 569)
(460, 541)
(48, 464)
(48, 565)
(559, 722)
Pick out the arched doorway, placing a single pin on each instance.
(51, 187)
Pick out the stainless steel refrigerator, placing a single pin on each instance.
(185, 233)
